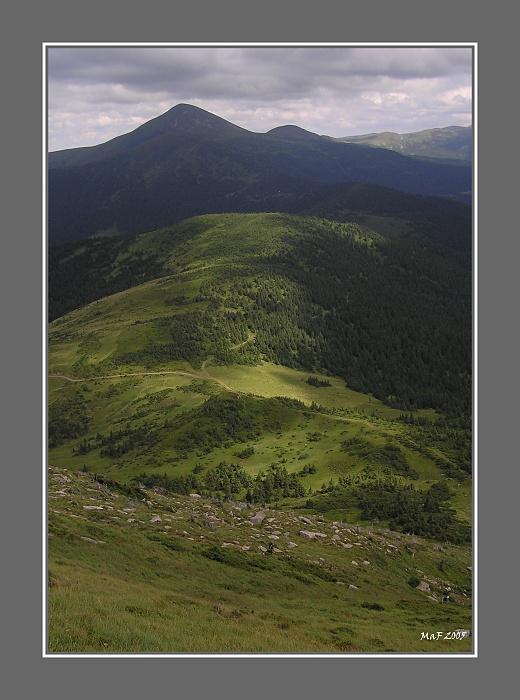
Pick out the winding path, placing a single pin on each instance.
(202, 374)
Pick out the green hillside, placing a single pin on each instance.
(133, 570)
(310, 368)
(391, 315)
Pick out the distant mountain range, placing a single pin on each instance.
(451, 144)
(188, 162)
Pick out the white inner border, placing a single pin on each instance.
(425, 655)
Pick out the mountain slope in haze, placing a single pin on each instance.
(189, 162)
(182, 119)
(450, 143)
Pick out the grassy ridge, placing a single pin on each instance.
(391, 316)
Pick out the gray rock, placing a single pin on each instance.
(423, 586)
(259, 518)
(308, 535)
(352, 587)
(156, 519)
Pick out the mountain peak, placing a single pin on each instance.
(185, 118)
(290, 131)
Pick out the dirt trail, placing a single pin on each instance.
(202, 374)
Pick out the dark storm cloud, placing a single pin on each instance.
(95, 93)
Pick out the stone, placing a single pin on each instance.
(156, 519)
(423, 586)
(92, 507)
(291, 545)
(195, 495)
(308, 535)
(352, 587)
(259, 518)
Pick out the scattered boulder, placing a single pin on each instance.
(423, 586)
(353, 588)
(156, 519)
(308, 535)
(258, 519)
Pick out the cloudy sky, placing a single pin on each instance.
(95, 93)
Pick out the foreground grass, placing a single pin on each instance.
(195, 580)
